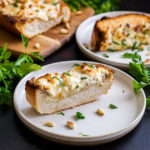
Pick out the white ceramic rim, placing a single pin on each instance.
(91, 54)
(40, 131)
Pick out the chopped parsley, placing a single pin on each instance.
(79, 115)
(83, 78)
(114, 42)
(60, 82)
(111, 50)
(123, 43)
(15, 4)
(77, 86)
(128, 34)
(76, 65)
(105, 55)
(68, 74)
(37, 10)
(90, 65)
(55, 3)
(83, 134)
(134, 45)
(128, 55)
(112, 106)
(61, 113)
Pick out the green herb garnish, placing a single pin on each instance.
(134, 45)
(128, 34)
(128, 55)
(61, 113)
(83, 78)
(111, 50)
(90, 65)
(114, 42)
(83, 134)
(79, 115)
(98, 5)
(123, 43)
(55, 3)
(112, 106)
(12, 71)
(37, 10)
(105, 55)
(68, 74)
(15, 4)
(60, 82)
(25, 41)
(76, 65)
(77, 86)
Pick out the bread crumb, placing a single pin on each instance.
(67, 25)
(49, 124)
(70, 125)
(37, 45)
(63, 31)
(79, 13)
(100, 112)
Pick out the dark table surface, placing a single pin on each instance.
(15, 136)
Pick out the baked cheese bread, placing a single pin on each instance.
(82, 84)
(121, 32)
(32, 17)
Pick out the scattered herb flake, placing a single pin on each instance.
(60, 82)
(68, 74)
(128, 55)
(90, 65)
(77, 86)
(123, 43)
(111, 50)
(114, 42)
(105, 55)
(15, 4)
(79, 115)
(61, 113)
(76, 65)
(134, 45)
(55, 3)
(112, 106)
(128, 34)
(83, 78)
(83, 134)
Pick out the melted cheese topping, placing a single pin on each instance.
(124, 37)
(59, 86)
(29, 9)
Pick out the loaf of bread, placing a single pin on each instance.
(121, 32)
(82, 84)
(32, 17)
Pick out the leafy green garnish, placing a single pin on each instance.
(79, 115)
(112, 106)
(128, 55)
(36, 55)
(128, 34)
(105, 55)
(61, 113)
(90, 65)
(25, 41)
(98, 5)
(12, 71)
(148, 102)
(77, 86)
(123, 43)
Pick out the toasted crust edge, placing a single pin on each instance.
(98, 34)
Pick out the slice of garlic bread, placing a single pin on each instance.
(80, 85)
(32, 17)
(121, 32)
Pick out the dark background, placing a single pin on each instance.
(15, 136)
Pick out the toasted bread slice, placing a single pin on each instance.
(32, 17)
(121, 32)
(80, 85)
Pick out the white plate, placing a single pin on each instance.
(83, 35)
(113, 125)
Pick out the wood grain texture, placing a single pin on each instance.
(50, 41)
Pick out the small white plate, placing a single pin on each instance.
(83, 36)
(114, 124)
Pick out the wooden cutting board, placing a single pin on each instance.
(50, 41)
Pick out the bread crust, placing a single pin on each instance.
(17, 25)
(33, 94)
(102, 25)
